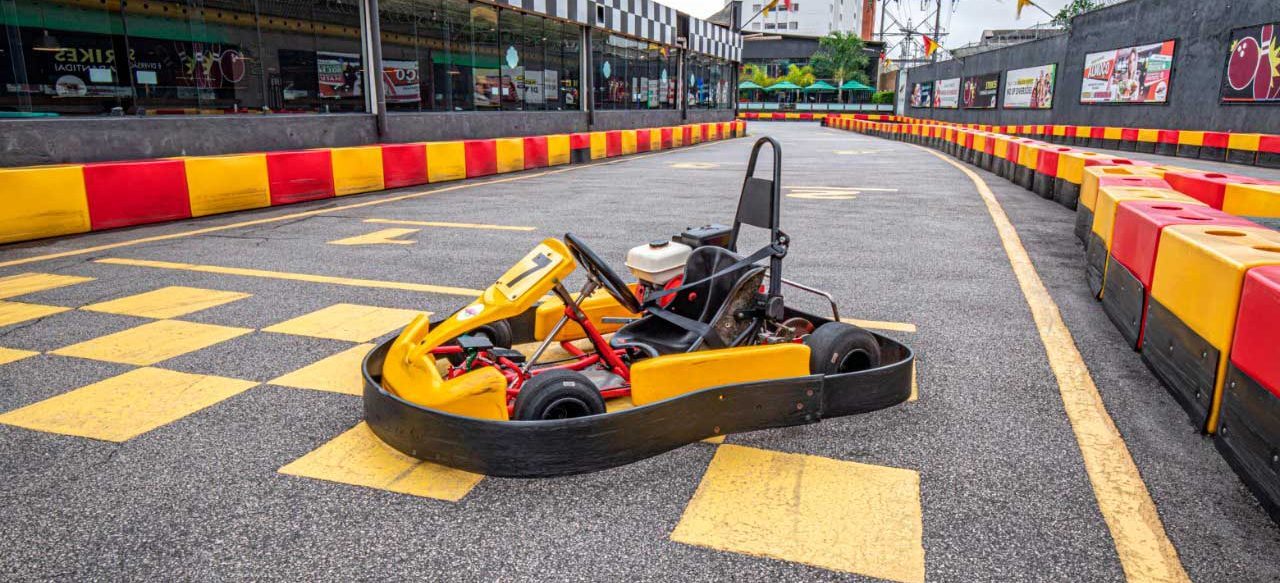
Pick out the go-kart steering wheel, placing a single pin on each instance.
(602, 274)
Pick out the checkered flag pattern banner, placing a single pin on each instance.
(715, 40)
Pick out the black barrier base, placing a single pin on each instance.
(1110, 144)
(1244, 157)
(984, 161)
(537, 449)
(1122, 299)
(1025, 177)
(1042, 184)
(1249, 437)
(1184, 361)
(580, 156)
(1145, 147)
(1095, 259)
(1165, 149)
(1080, 141)
(1066, 193)
(998, 167)
(1269, 159)
(1127, 146)
(1208, 153)
(1084, 223)
(1188, 151)
(1096, 143)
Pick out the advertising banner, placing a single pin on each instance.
(1129, 75)
(980, 91)
(922, 94)
(1030, 88)
(946, 93)
(400, 81)
(339, 75)
(1253, 67)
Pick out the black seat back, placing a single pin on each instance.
(760, 205)
(701, 302)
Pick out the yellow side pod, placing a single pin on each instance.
(598, 306)
(673, 375)
(409, 370)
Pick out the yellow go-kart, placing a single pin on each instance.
(702, 344)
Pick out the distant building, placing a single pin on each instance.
(807, 18)
(994, 39)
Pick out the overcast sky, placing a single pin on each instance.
(968, 18)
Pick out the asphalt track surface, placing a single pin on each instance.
(893, 231)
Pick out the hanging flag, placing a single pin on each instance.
(1023, 4)
(786, 5)
(930, 45)
(774, 4)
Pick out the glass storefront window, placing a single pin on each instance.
(632, 74)
(183, 57)
(708, 81)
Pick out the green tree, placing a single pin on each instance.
(802, 76)
(841, 57)
(1073, 9)
(756, 74)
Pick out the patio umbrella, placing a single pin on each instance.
(784, 85)
(819, 87)
(852, 85)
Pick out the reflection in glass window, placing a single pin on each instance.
(179, 57)
(632, 74)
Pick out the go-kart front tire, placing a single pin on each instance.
(558, 394)
(837, 347)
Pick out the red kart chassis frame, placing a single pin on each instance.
(533, 449)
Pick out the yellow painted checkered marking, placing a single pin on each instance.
(380, 237)
(8, 355)
(16, 312)
(126, 406)
(151, 343)
(26, 283)
(167, 302)
(837, 515)
(339, 373)
(350, 322)
(359, 458)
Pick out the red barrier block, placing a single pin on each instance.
(1256, 346)
(686, 137)
(403, 165)
(612, 143)
(666, 138)
(643, 140)
(776, 117)
(1208, 187)
(580, 141)
(535, 152)
(1128, 134)
(299, 176)
(1216, 139)
(806, 116)
(482, 157)
(121, 194)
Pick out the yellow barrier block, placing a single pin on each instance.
(1186, 138)
(1246, 142)
(1029, 154)
(1092, 174)
(41, 202)
(1059, 131)
(979, 142)
(1112, 133)
(220, 184)
(510, 155)
(1071, 164)
(793, 116)
(356, 169)
(695, 134)
(677, 137)
(1151, 136)
(1110, 197)
(446, 161)
(1200, 270)
(1252, 200)
(1001, 148)
(628, 142)
(599, 145)
(655, 139)
(1084, 131)
(558, 150)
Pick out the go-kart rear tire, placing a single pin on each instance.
(837, 347)
(558, 394)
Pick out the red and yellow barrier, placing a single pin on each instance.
(122, 194)
(403, 165)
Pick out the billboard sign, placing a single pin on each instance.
(922, 94)
(1030, 88)
(1253, 66)
(946, 93)
(980, 91)
(339, 75)
(1139, 74)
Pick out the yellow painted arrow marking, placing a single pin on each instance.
(382, 237)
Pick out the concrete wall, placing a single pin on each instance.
(1202, 30)
(57, 141)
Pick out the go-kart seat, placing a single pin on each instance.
(702, 303)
